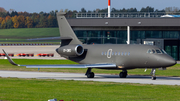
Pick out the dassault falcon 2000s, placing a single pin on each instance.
(105, 56)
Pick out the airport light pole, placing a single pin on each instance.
(109, 8)
(128, 34)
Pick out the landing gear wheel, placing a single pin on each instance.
(90, 75)
(122, 74)
(153, 78)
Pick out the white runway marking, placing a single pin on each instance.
(98, 77)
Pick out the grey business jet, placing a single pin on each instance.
(105, 56)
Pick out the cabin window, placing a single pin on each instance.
(128, 53)
(105, 53)
(125, 53)
(102, 53)
(115, 53)
(119, 53)
(112, 53)
(158, 51)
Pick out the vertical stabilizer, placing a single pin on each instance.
(66, 33)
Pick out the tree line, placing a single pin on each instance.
(14, 19)
(27, 20)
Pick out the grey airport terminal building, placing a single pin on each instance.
(163, 32)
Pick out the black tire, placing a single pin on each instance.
(90, 75)
(153, 78)
(122, 74)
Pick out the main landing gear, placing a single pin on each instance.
(153, 71)
(89, 74)
(123, 74)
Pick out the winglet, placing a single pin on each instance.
(9, 59)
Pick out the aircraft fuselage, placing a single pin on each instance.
(124, 56)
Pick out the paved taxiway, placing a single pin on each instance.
(32, 49)
(98, 77)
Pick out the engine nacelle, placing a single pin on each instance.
(71, 50)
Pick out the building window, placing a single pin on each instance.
(153, 34)
(170, 34)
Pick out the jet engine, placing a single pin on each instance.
(71, 50)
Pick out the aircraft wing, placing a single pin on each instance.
(104, 65)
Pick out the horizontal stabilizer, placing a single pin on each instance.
(9, 59)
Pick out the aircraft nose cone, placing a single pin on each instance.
(168, 61)
(171, 62)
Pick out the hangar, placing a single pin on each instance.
(161, 31)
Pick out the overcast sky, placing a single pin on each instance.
(49, 5)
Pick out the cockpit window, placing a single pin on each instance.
(158, 51)
(149, 51)
(163, 51)
(153, 51)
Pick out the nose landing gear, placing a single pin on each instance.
(153, 71)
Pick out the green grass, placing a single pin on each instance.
(5, 65)
(14, 89)
(20, 35)
(27, 33)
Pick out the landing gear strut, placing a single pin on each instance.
(89, 74)
(153, 71)
(123, 74)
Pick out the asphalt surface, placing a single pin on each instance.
(31, 49)
(98, 77)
